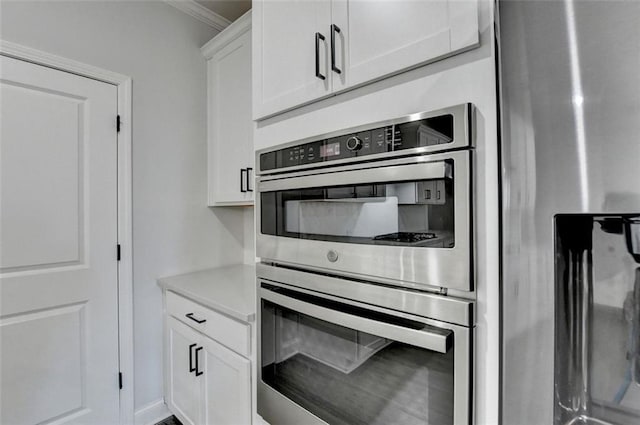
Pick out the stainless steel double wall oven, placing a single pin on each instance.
(366, 286)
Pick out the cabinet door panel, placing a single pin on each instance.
(284, 55)
(230, 124)
(388, 36)
(226, 387)
(184, 391)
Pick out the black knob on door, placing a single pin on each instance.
(354, 143)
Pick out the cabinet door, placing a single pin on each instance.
(284, 56)
(183, 387)
(230, 124)
(226, 385)
(388, 36)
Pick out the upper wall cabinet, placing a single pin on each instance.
(229, 124)
(290, 59)
(306, 50)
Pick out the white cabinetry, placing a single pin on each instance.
(284, 60)
(208, 381)
(306, 50)
(184, 392)
(226, 390)
(229, 123)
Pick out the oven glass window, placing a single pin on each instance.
(411, 213)
(348, 377)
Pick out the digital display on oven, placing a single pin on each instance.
(330, 149)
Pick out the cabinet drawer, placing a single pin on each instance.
(225, 330)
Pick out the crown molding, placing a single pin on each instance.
(233, 31)
(201, 13)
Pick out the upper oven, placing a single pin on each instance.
(400, 213)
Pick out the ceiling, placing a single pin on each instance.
(230, 9)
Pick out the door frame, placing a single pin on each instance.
(125, 266)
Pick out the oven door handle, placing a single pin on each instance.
(417, 171)
(439, 342)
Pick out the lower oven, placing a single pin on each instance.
(391, 357)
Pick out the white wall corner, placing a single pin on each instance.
(152, 413)
(201, 13)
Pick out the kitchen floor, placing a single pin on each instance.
(171, 420)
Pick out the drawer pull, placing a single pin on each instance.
(198, 373)
(190, 316)
(191, 368)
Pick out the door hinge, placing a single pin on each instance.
(118, 252)
(120, 379)
(118, 123)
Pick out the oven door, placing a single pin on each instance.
(324, 360)
(406, 220)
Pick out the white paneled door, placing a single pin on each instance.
(58, 261)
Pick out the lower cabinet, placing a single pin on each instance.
(184, 386)
(207, 383)
(226, 388)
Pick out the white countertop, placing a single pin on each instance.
(230, 289)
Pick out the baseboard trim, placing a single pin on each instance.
(152, 413)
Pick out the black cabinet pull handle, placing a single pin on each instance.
(191, 368)
(334, 29)
(318, 38)
(198, 373)
(242, 189)
(190, 316)
(249, 170)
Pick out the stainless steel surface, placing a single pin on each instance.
(463, 116)
(437, 290)
(437, 307)
(570, 95)
(277, 409)
(425, 339)
(418, 170)
(441, 267)
(336, 168)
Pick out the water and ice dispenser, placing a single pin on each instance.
(597, 319)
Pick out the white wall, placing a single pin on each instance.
(249, 236)
(173, 230)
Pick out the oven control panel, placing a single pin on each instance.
(443, 130)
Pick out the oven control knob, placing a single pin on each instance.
(332, 256)
(354, 143)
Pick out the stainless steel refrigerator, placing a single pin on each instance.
(570, 163)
